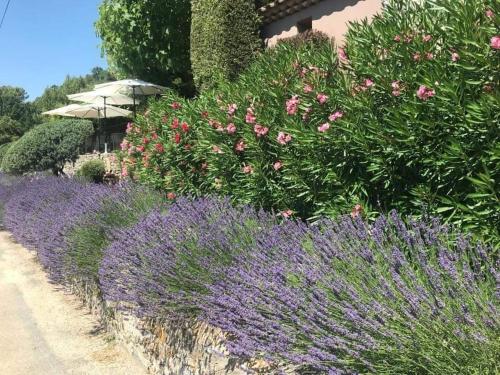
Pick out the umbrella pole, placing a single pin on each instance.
(133, 97)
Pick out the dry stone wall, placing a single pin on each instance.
(110, 161)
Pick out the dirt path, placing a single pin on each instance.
(45, 331)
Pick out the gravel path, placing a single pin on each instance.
(46, 331)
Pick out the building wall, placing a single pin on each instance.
(328, 16)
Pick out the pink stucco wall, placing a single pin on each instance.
(328, 16)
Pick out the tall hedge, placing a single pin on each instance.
(224, 39)
(47, 147)
(404, 117)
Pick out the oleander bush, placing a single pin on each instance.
(404, 116)
(340, 296)
(93, 171)
(47, 147)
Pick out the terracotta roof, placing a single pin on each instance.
(274, 10)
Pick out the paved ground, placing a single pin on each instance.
(45, 331)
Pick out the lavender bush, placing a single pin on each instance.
(343, 297)
(164, 264)
(43, 209)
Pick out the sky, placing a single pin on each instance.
(42, 41)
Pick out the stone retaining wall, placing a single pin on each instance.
(170, 347)
(110, 161)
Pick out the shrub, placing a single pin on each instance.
(177, 255)
(308, 132)
(41, 212)
(47, 146)
(224, 39)
(92, 170)
(98, 227)
(345, 297)
(3, 150)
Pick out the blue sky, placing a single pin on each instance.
(42, 41)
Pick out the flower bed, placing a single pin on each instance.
(337, 297)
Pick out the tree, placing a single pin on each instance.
(148, 39)
(47, 147)
(10, 130)
(14, 104)
(224, 39)
(55, 95)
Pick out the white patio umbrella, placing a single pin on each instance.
(62, 111)
(98, 111)
(101, 97)
(131, 87)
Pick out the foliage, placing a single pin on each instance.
(10, 130)
(148, 39)
(56, 95)
(47, 146)
(14, 104)
(92, 170)
(404, 117)
(3, 150)
(179, 253)
(345, 297)
(86, 241)
(224, 39)
(341, 296)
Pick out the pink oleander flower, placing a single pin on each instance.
(408, 38)
(324, 127)
(368, 82)
(159, 147)
(177, 138)
(426, 38)
(335, 116)
(131, 150)
(356, 211)
(489, 13)
(308, 88)
(322, 98)
(277, 165)
(124, 171)
(130, 127)
(397, 38)
(429, 55)
(124, 145)
(425, 92)
(231, 109)
(154, 136)
(495, 42)
(140, 148)
(175, 123)
(231, 128)
(176, 105)
(396, 92)
(240, 145)
(416, 56)
(217, 149)
(287, 213)
(260, 130)
(342, 54)
(247, 169)
(283, 138)
(395, 85)
(171, 196)
(145, 140)
(455, 57)
(250, 116)
(292, 105)
(185, 127)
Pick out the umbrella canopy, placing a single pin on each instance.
(62, 111)
(101, 98)
(131, 86)
(97, 111)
